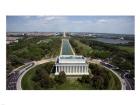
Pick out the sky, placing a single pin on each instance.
(97, 24)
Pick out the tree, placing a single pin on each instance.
(46, 81)
(61, 78)
(84, 79)
(95, 69)
(97, 82)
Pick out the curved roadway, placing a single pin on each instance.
(18, 74)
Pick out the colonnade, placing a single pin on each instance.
(75, 69)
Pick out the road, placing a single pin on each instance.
(11, 81)
(129, 82)
(15, 74)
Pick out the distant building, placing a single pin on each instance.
(11, 40)
(122, 38)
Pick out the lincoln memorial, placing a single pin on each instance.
(71, 65)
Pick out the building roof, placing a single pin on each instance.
(71, 64)
(71, 59)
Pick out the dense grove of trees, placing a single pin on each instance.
(61, 78)
(101, 78)
(42, 78)
(28, 49)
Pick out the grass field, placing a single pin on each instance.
(27, 83)
(81, 48)
(126, 48)
(72, 84)
(114, 83)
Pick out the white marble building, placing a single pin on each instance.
(71, 65)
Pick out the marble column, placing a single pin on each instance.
(82, 69)
(70, 69)
(59, 69)
(56, 69)
(74, 69)
(87, 68)
(77, 69)
(66, 69)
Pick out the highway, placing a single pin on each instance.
(129, 82)
(15, 74)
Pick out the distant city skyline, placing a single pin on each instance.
(95, 24)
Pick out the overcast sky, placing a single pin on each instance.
(98, 24)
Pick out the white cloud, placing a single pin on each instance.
(49, 18)
(102, 21)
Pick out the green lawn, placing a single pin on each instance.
(27, 83)
(80, 48)
(72, 84)
(126, 48)
(114, 83)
